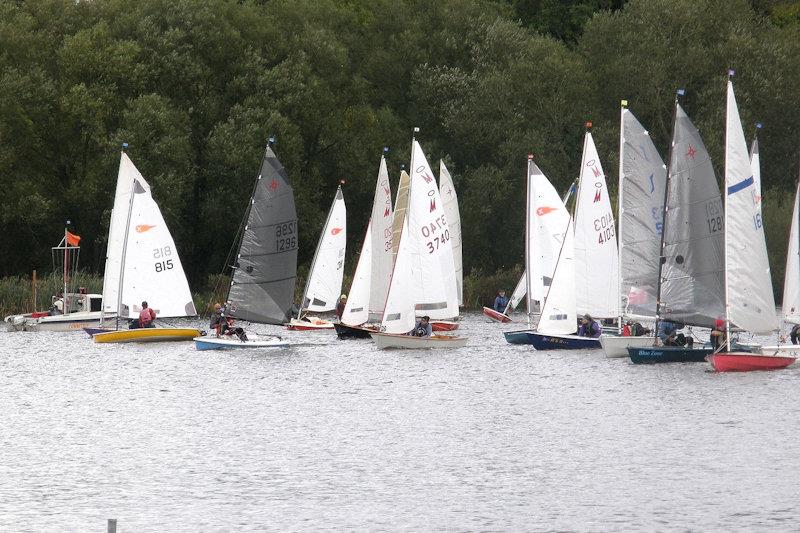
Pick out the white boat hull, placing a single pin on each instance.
(792, 350)
(211, 342)
(71, 322)
(617, 346)
(391, 340)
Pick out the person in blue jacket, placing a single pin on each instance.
(589, 327)
(422, 328)
(500, 302)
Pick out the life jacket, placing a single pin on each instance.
(146, 316)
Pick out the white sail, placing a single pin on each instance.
(433, 266)
(755, 165)
(791, 283)
(116, 232)
(399, 215)
(327, 269)
(356, 310)
(152, 270)
(750, 304)
(398, 315)
(518, 294)
(558, 311)
(547, 221)
(380, 268)
(596, 267)
(643, 177)
(450, 199)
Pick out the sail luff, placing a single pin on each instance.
(528, 234)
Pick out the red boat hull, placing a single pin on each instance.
(444, 325)
(494, 315)
(746, 362)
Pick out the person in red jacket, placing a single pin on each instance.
(146, 316)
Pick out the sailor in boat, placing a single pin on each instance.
(223, 325)
(634, 329)
(423, 328)
(501, 301)
(670, 336)
(57, 307)
(718, 337)
(340, 305)
(795, 333)
(146, 317)
(589, 327)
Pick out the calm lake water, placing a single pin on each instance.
(341, 436)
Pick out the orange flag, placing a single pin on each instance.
(73, 240)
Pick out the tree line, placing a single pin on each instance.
(195, 87)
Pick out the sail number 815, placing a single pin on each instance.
(161, 253)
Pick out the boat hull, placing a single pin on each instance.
(313, 325)
(747, 362)
(668, 354)
(495, 315)
(147, 335)
(541, 341)
(517, 337)
(444, 325)
(343, 331)
(391, 340)
(61, 323)
(227, 343)
(616, 346)
(791, 350)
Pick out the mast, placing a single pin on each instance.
(64, 300)
(725, 235)
(620, 187)
(662, 256)
(124, 248)
(528, 215)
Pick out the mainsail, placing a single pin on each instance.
(450, 199)
(356, 310)
(117, 230)
(692, 284)
(324, 281)
(381, 245)
(262, 288)
(432, 255)
(755, 164)
(400, 206)
(596, 269)
(151, 269)
(558, 311)
(642, 179)
(750, 303)
(791, 282)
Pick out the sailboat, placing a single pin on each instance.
(265, 266)
(423, 276)
(521, 289)
(324, 282)
(371, 279)
(77, 309)
(548, 232)
(450, 201)
(142, 263)
(642, 175)
(748, 285)
(690, 280)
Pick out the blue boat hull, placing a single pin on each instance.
(668, 354)
(517, 337)
(541, 341)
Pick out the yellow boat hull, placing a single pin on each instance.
(148, 335)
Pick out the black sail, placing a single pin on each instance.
(262, 287)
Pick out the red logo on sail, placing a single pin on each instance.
(427, 178)
(544, 210)
(273, 184)
(597, 195)
(141, 228)
(386, 213)
(691, 152)
(336, 231)
(433, 205)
